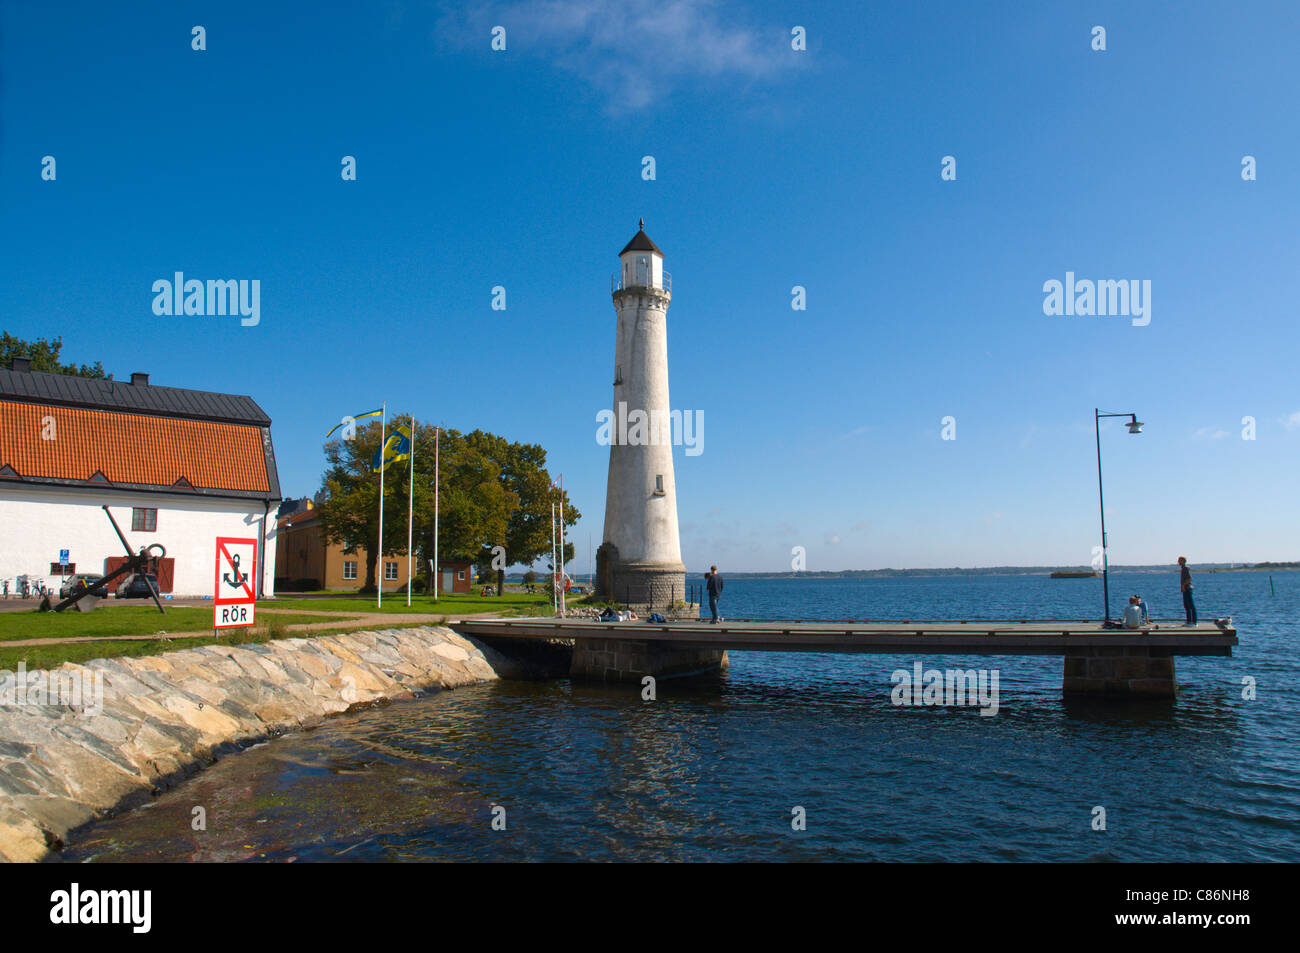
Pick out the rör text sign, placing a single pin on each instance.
(234, 583)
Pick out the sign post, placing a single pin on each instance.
(234, 582)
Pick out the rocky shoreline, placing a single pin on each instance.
(151, 722)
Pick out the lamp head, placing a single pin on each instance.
(1134, 425)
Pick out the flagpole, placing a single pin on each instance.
(437, 570)
(410, 516)
(555, 602)
(562, 594)
(379, 557)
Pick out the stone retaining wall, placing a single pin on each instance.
(164, 717)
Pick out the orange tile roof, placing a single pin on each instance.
(130, 448)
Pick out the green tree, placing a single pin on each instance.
(523, 469)
(44, 356)
(491, 493)
(350, 512)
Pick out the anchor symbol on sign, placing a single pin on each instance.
(240, 578)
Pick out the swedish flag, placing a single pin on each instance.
(355, 417)
(396, 447)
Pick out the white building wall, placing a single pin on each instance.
(36, 522)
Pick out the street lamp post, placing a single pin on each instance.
(1134, 426)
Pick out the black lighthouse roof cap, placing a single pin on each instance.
(641, 242)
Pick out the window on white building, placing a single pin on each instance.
(349, 569)
(144, 519)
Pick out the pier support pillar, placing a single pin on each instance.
(1119, 671)
(623, 660)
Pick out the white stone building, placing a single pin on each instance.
(175, 467)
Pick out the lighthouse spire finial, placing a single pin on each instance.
(641, 225)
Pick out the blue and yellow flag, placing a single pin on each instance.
(396, 447)
(354, 418)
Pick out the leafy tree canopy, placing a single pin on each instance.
(44, 356)
(491, 492)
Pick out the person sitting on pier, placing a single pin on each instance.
(1146, 616)
(1132, 614)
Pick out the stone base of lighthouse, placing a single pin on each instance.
(640, 584)
(624, 660)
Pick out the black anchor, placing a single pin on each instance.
(240, 578)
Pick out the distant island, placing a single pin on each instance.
(1003, 571)
(1070, 572)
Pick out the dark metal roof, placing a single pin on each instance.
(73, 391)
(641, 242)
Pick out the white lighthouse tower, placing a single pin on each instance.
(640, 558)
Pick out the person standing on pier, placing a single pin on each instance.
(1187, 587)
(714, 584)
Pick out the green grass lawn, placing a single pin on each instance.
(448, 604)
(116, 620)
(119, 620)
(51, 656)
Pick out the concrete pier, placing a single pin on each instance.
(1098, 662)
(630, 660)
(1131, 671)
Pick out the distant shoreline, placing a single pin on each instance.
(979, 571)
(999, 571)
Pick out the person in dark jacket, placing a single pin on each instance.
(713, 582)
(1185, 583)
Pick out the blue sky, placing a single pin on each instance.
(775, 168)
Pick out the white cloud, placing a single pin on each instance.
(1292, 422)
(1209, 433)
(632, 51)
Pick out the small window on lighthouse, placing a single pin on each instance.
(659, 483)
(618, 373)
(643, 270)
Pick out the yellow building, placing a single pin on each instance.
(303, 557)
(304, 561)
